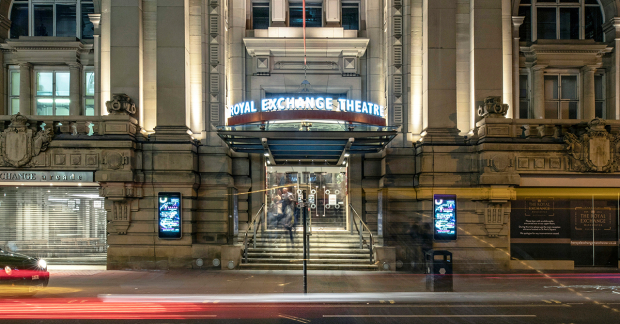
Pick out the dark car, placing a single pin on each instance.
(21, 274)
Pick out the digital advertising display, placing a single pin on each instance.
(444, 217)
(169, 215)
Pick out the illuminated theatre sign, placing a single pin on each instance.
(296, 108)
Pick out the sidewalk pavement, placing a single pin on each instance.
(93, 283)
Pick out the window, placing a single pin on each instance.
(314, 14)
(13, 90)
(599, 96)
(561, 19)
(89, 93)
(19, 20)
(524, 96)
(61, 18)
(351, 15)
(561, 96)
(52, 93)
(260, 15)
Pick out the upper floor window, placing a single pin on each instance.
(561, 19)
(351, 15)
(314, 14)
(61, 18)
(260, 15)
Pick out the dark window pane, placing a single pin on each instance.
(19, 19)
(526, 1)
(523, 86)
(569, 109)
(65, 20)
(43, 20)
(594, 24)
(260, 17)
(551, 87)
(88, 30)
(569, 23)
(525, 31)
(569, 87)
(524, 108)
(551, 110)
(599, 109)
(598, 87)
(547, 23)
(314, 17)
(592, 2)
(350, 18)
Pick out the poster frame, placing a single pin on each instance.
(159, 232)
(444, 237)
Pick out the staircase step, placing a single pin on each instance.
(310, 261)
(313, 255)
(289, 266)
(313, 249)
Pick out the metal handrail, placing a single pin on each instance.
(252, 226)
(360, 231)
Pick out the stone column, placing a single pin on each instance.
(278, 13)
(538, 93)
(25, 82)
(374, 53)
(516, 24)
(440, 73)
(96, 20)
(172, 75)
(75, 106)
(616, 110)
(236, 52)
(589, 97)
(332, 13)
(486, 52)
(507, 56)
(126, 51)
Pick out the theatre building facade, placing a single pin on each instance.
(152, 134)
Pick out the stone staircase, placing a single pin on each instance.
(329, 250)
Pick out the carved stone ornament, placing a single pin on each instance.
(121, 104)
(595, 150)
(19, 144)
(493, 108)
(494, 219)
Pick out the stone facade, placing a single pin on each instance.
(446, 71)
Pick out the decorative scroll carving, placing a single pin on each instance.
(493, 108)
(19, 144)
(121, 216)
(121, 104)
(593, 151)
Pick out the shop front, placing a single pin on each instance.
(58, 216)
(568, 227)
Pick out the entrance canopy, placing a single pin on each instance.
(294, 142)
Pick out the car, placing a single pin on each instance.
(21, 274)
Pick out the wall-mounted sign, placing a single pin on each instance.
(45, 176)
(169, 215)
(444, 217)
(307, 103)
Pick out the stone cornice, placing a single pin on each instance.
(324, 47)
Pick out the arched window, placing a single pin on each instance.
(61, 18)
(561, 19)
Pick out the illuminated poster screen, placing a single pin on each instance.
(444, 217)
(169, 215)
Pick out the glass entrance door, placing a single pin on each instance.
(327, 196)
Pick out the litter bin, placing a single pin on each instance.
(438, 270)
